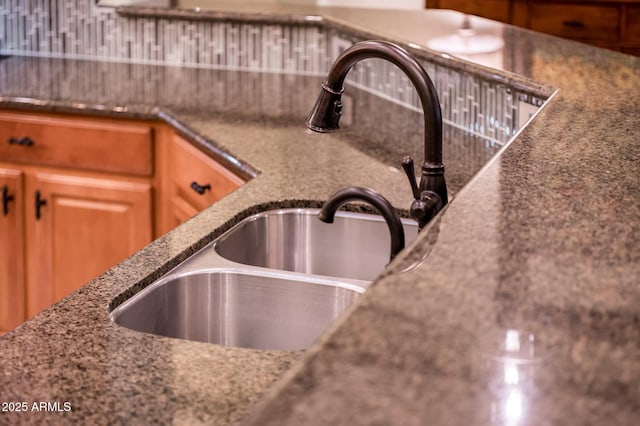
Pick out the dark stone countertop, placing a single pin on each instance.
(519, 304)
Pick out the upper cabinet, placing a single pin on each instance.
(610, 24)
(81, 194)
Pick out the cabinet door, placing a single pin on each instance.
(77, 227)
(12, 301)
(179, 211)
(194, 181)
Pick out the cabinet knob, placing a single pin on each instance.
(25, 141)
(39, 202)
(200, 189)
(573, 23)
(6, 199)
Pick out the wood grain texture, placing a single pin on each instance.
(89, 144)
(87, 226)
(12, 299)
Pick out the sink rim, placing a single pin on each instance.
(410, 226)
(254, 272)
(210, 252)
(208, 261)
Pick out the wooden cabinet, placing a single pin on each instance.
(12, 294)
(195, 181)
(78, 227)
(61, 229)
(101, 145)
(81, 194)
(576, 21)
(631, 29)
(609, 24)
(498, 10)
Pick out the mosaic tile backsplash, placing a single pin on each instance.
(79, 29)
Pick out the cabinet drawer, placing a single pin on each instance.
(90, 144)
(197, 178)
(633, 24)
(588, 22)
(498, 10)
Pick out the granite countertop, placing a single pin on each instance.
(519, 304)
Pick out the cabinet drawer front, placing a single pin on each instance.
(197, 178)
(492, 9)
(576, 21)
(633, 24)
(89, 144)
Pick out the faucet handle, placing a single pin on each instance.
(426, 203)
(407, 165)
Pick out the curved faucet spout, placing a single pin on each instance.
(325, 115)
(412, 68)
(329, 208)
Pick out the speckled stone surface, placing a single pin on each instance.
(111, 373)
(519, 304)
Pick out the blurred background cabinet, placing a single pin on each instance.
(610, 24)
(498, 10)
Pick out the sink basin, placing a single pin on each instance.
(275, 281)
(356, 246)
(242, 309)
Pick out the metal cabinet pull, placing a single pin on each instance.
(25, 141)
(6, 199)
(200, 189)
(38, 204)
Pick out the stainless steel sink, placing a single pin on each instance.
(275, 281)
(239, 309)
(356, 246)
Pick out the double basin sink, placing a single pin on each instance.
(275, 281)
